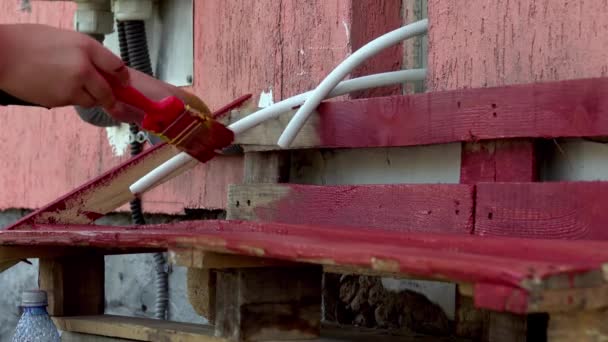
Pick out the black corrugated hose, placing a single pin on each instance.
(134, 51)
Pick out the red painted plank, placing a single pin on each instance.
(575, 210)
(498, 161)
(371, 19)
(553, 109)
(444, 208)
(505, 262)
(106, 192)
(500, 298)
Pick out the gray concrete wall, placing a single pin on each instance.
(129, 286)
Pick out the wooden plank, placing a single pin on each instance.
(525, 42)
(75, 285)
(425, 208)
(493, 161)
(568, 210)
(101, 195)
(498, 161)
(108, 191)
(584, 326)
(505, 327)
(248, 305)
(573, 108)
(195, 258)
(371, 19)
(201, 284)
(142, 329)
(138, 329)
(67, 336)
(270, 303)
(508, 273)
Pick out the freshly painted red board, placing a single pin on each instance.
(573, 108)
(108, 191)
(503, 262)
(498, 161)
(555, 210)
(446, 208)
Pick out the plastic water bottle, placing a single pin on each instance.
(35, 325)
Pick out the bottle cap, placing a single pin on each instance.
(31, 298)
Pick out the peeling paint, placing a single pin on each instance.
(386, 265)
(266, 99)
(347, 32)
(118, 137)
(256, 251)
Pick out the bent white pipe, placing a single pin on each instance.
(171, 168)
(325, 87)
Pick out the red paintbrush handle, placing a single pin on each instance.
(158, 115)
(133, 97)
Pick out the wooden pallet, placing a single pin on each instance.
(532, 254)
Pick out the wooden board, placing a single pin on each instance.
(494, 264)
(511, 160)
(574, 108)
(570, 210)
(141, 329)
(75, 285)
(424, 208)
(110, 190)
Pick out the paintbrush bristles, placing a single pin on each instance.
(197, 134)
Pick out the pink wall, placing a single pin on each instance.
(240, 47)
(489, 43)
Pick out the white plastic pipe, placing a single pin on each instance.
(325, 87)
(170, 168)
(345, 87)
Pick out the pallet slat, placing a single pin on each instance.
(564, 210)
(427, 208)
(572, 108)
(494, 265)
(142, 329)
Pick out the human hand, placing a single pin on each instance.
(52, 67)
(155, 90)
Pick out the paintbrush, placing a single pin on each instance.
(196, 133)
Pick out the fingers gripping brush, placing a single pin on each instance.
(198, 134)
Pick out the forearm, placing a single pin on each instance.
(7, 99)
(6, 57)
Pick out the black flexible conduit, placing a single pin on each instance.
(134, 51)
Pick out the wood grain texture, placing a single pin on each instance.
(201, 284)
(138, 329)
(515, 42)
(270, 303)
(542, 210)
(423, 208)
(573, 108)
(498, 161)
(505, 327)
(371, 19)
(584, 326)
(500, 268)
(100, 195)
(142, 329)
(75, 285)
